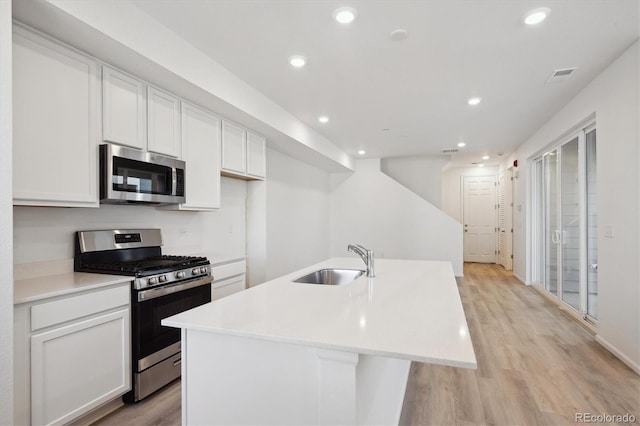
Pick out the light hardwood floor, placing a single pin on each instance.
(535, 366)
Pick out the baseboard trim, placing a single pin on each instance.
(98, 413)
(566, 309)
(622, 357)
(519, 278)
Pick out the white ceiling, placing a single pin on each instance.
(417, 88)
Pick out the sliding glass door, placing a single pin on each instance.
(569, 231)
(565, 227)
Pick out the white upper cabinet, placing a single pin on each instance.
(256, 158)
(234, 148)
(243, 152)
(163, 123)
(55, 124)
(201, 152)
(124, 109)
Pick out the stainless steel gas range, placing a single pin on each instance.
(161, 286)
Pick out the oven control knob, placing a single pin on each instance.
(153, 280)
(203, 269)
(163, 278)
(180, 274)
(195, 271)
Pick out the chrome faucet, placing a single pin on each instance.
(366, 255)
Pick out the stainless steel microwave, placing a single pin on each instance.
(130, 176)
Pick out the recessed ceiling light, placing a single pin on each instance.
(474, 101)
(486, 157)
(323, 119)
(398, 35)
(345, 15)
(297, 61)
(536, 16)
(461, 144)
(480, 165)
(362, 152)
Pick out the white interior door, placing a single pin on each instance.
(479, 213)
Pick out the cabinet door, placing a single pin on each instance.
(201, 152)
(55, 124)
(256, 164)
(227, 287)
(77, 367)
(163, 123)
(124, 110)
(234, 154)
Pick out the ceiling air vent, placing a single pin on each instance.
(561, 75)
(449, 150)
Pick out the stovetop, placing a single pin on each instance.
(136, 253)
(146, 267)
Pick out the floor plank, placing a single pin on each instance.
(535, 366)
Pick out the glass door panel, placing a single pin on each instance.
(569, 240)
(551, 227)
(592, 227)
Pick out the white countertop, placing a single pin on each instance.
(59, 283)
(410, 310)
(34, 289)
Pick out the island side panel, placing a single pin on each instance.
(381, 386)
(236, 380)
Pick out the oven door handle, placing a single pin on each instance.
(169, 289)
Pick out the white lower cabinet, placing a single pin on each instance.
(77, 361)
(228, 278)
(226, 287)
(78, 367)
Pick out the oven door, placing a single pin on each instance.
(150, 307)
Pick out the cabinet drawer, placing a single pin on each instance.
(230, 269)
(59, 311)
(226, 287)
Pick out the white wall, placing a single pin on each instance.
(452, 187)
(46, 234)
(297, 225)
(6, 221)
(614, 98)
(370, 208)
(422, 175)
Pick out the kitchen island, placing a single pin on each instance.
(293, 353)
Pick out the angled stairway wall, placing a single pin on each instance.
(370, 208)
(421, 174)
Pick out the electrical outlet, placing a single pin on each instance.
(608, 231)
(231, 229)
(182, 232)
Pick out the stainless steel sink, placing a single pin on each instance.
(330, 276)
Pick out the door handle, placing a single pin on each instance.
(555, 237)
